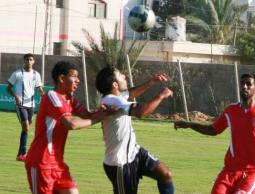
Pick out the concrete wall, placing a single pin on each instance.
(167, 51)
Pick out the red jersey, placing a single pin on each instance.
(47, 149)
(241, 122)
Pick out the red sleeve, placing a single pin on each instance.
(220, 124)
(77, 107)
(55, 107)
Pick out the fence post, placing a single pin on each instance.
(129, 72)
(183, 91)
(43, 64)
(237, 82)
(85, 80)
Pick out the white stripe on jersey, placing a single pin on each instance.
(50, 124)
(231, 148)
(33, 178)
(120, 181)
(252, 189)
(54, 99)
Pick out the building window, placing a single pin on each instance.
(59, 3)
(97, 9)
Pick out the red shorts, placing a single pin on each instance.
(234, 182)
(48, 181)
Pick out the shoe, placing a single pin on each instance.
(21, 158)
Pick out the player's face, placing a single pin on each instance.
(247, 88)
(71, 80)
(29, 62)
(121, 80)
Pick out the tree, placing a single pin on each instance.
(216, 18)
(110, 50)
(246, 46)
(207, 20)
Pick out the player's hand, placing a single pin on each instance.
(165, 93)
(162, 77)
(18, 100)
(181, 124)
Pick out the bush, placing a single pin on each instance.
(246, 46)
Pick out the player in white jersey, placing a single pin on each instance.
(24, 81)
(125, 161)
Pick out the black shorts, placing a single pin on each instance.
(125, 179)
(25, 113)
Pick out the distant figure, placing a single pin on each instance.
(125, 161)
(238, 174)
(24, 81)
(58, 113)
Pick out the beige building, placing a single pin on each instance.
(30, 25)
(167, 51)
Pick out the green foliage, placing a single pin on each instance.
(217, 18)
(246, 46)
(110, 50)
(210, 21)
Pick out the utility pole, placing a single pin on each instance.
(46, 24)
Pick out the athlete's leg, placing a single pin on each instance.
(124, 179)
(40, 181)
(224, 182)
(64, 184)
(67, 191)
(25, 116)
(157, 170)
(164, 177)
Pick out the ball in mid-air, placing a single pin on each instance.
(141, 18)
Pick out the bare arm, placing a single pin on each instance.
(10, 91)
(139, 90)
(147, 108)
(86, 119)
(206, 129)
(40, 90)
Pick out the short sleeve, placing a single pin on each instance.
(56, 108)
(38, 80)
(220, 124)
(12, 80)
(117, 101)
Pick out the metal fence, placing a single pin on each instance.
(208, 87)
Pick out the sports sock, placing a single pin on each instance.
(23, 143)
(166, 188)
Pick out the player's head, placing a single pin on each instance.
(66, 74)
(109, 79)
(29, 60)
(247, 85)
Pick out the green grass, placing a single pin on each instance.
(194, 159)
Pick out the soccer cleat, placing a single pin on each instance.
(21, 158)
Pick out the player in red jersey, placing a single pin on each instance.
(238, 174)
(58, 113)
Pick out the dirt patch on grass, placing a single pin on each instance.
(194, 116)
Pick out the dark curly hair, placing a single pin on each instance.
(105, 78)
(62, 68)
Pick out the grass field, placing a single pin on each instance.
(194, 159)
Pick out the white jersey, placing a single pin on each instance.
(24, 84)
(119, 136)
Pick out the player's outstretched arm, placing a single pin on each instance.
(146, 109)
(139, 90)
(74, 122)
(206, 129)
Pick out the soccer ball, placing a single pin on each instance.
(141, 18)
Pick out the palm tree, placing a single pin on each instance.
(110, 50)
(216, 18)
